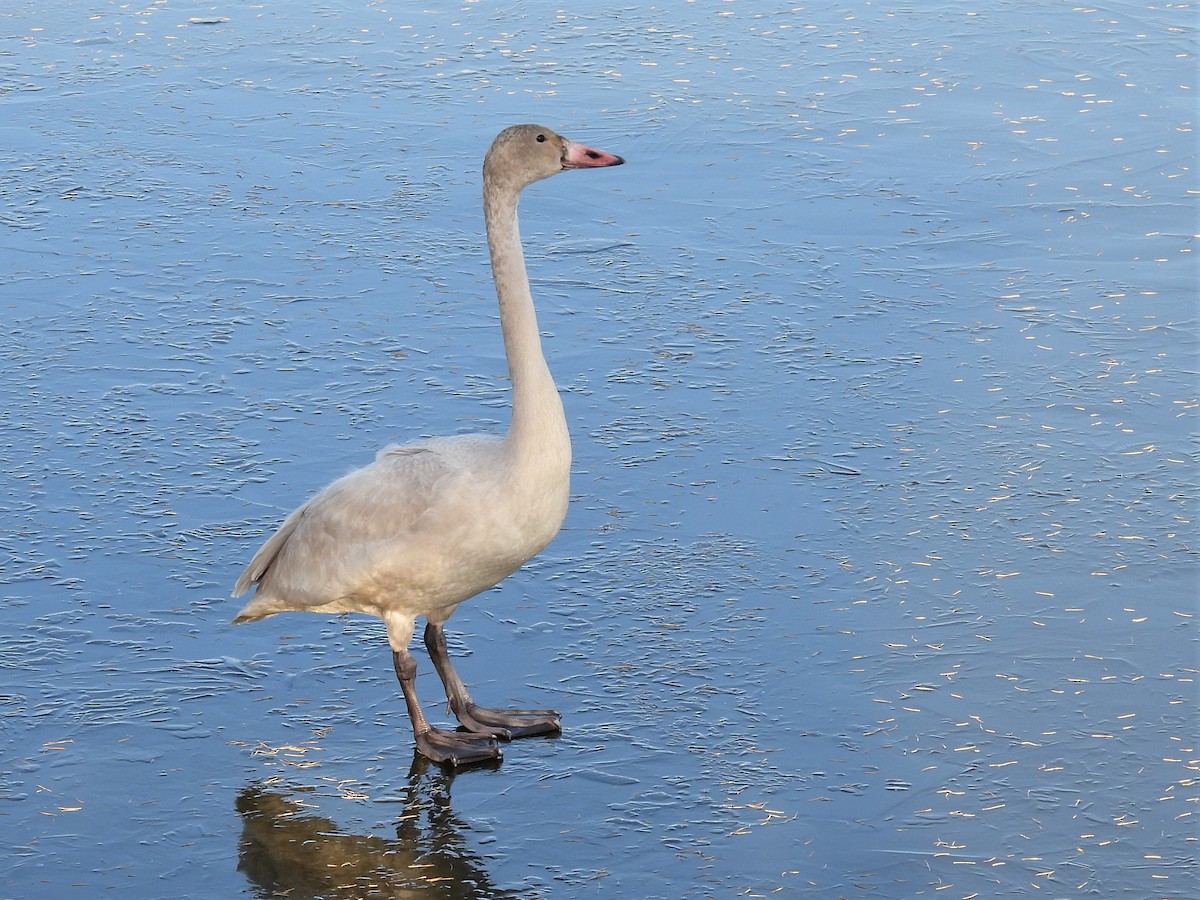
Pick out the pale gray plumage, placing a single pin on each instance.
(430, 524)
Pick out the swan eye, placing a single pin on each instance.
(541, 139)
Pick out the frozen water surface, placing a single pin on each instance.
(880, 357)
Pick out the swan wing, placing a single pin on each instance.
(324, 548)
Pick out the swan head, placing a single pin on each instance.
(523, 154)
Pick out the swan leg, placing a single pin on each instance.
(503, 724)
(451, 747)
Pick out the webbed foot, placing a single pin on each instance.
(458, 748)
(509, 724)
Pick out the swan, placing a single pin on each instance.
(432, 523)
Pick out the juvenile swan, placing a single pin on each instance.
(430, 524)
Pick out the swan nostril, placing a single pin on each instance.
(592, 154)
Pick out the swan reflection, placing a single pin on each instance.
(287, 850)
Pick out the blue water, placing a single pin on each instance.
(880, 358)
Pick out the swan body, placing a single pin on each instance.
(432, 523)
(424, 527)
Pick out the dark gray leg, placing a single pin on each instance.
(504, 724)
(451, 747)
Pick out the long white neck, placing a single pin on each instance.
(539, 427)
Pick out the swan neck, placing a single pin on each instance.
(537, 412)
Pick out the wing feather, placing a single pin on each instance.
(316, 555)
